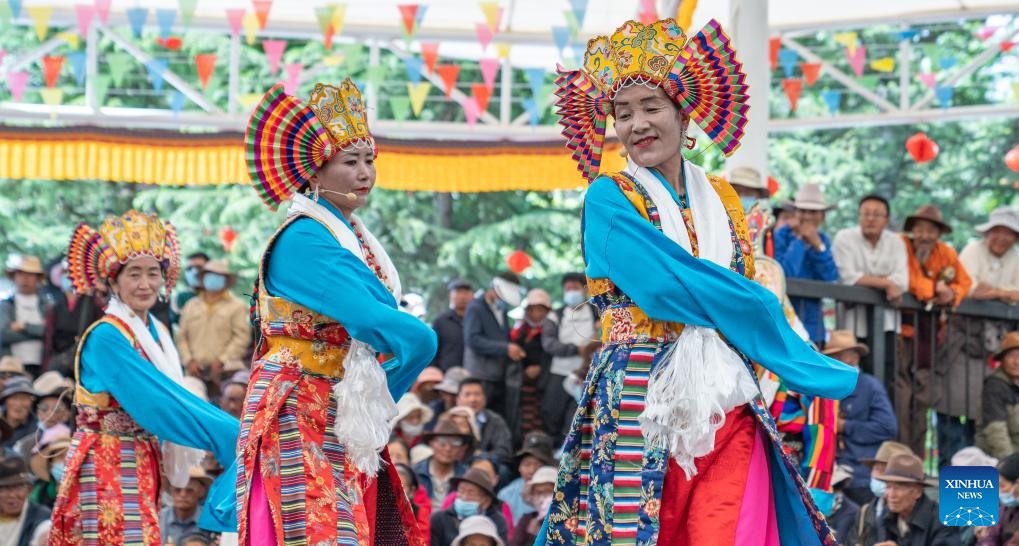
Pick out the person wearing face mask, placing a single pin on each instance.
(538, 495)
(215, 328)
(1004, 533)
(474, 497)
(489, 355)
(66, 320)
(750, 186)
(565, 335)
(335, 351)
(410, 420)
(669, 404)
(194, 264)
(876, 508)
(48, 463)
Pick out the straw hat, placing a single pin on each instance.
(905, 468)
(930, 213)
(545, 474)
(219, 267)
(887, 450)
(477, 525)
(537, 296)
(844, 340)
(12, 364)
(1006, 217)
(51, 383)
(811, 197)
(748, 177)
(24, 264)
(408, 404)
(1008, 343)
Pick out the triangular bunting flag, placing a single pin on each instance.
(187, 11)
(536, 79)
(787, 58)
(491, 11)
(857, 59)
(945, 94)
(71, 38)
(929, 79)
(262, 8)
(648, 13)
(489, 69)
(774, 46)
(579, 10)
(332, 60)
(274, 52)
(401, 107)
(324, 16)
(248, 100)
(339, 16)
(832, 97)
(165, 18)
(448, 73)
(503, 49)
(136, 17)
(15, 7)
(422, 10)
(6, 18)
(572, 23)
(250, 24)
(561, 35)
(408, 13)
(903, 35)
(430, 54)
(118, 64)
(234, 17)
(947, 62)
(482, 95)
(84, 13)
(471, 112)
(101, 84)
(870, 80)
(986, 32)
(418, 93)
(1006, 46)
(793, 87)
(156, 68)
(177, 101)
(103, 10)
(205, 64)
(52, 97)
(41, 19)
(413, 66)
(484, 35)
(51, 69)
(886, 64)
(293, 71)
(811, 71)
(1015, 91)
(16, 82)
(533, 116)
(849, 40)
(77, 62)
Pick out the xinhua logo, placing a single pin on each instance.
(968, 496)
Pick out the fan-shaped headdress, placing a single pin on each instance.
(95, 256)
(288, 141)
(701, 75)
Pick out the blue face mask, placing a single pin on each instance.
(748, 202)
(57, 471)
(66, 285)
(1008, 499)
(213, 282)
(502, 305)
(573, 298)
(465, 509)
(877, 487)
(191, 277)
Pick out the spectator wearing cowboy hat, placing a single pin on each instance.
(805, 253)
(47, 463)
(448, 444)
(998, 433)
(866, 418)
(410, 420)
(911, 519)
(537, 451)
(993, 261)
(52, 408)
(474, 497)
(877, 465)
(446, 390)
(17, 400)
(750, 186)
(23, 314)
(21, 520)
(538, 493)
(11, 366)
(449, 326)
(477, 531)
(181, 518)
(214, 328)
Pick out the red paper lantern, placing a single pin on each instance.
(773, 186)
(518, 261)
(227, 236)
(1012, 159)
(922, 148)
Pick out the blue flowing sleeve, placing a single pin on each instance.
(670, 284)
(308, 266)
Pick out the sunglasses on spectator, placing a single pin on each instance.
(447, 441)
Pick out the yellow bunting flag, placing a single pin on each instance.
(248, 100)
(503, 49)
(52, 96)
(332, 60)
(491, 11)
(1015, 91)
(250, 24)
(339, 16)
(418, 93)
(71, 38)
(886, 64)
(41, 18)
(849, 39)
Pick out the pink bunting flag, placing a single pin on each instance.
(648, 13)
(16, 82)
(929, 79)
(471, 111)
(484, 35)
(274, 52)
(103, 9)
(235, 17)
(489, 69)
(986, 32)
(293, 71)
(84, 13)
(857, 59)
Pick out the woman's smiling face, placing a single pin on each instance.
(648, 124)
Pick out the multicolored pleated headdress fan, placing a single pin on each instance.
(95, 256)
(701, 75)
(288, 141)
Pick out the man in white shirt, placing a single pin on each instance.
(23, 315)
(871, 255)
(993, 261)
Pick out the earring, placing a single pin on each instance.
(314, 196)
(691, 143)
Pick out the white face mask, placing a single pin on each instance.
(412, 430)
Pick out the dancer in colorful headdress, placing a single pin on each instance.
(672, 443)
(335, 351)
(134, 418)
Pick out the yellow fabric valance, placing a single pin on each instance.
(173, 159)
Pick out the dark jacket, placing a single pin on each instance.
(924, 527)
(496, 438)
(31, 331)
(485, 342)
(64, 326)
(844, 520)
(802, 261)
(35, 515)
(1004, 532)
(998, 429)
(446, 525)
(449, 328)
(425, 477)
(869, 421)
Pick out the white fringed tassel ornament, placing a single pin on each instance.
(364, 408)
(687, 398)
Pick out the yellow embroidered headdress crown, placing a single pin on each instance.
(288, 141)
(95, 256)
(701, 75)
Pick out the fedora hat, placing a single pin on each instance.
(1006, 217)
(51, 383)
(12, 364)
(748, 177)
(930, 213)
(477, 477)
(905, 468)
(219, 267)
(14, 471)
(539, 445)
(887, 450)
(1008, 343)
(811, 197)
(477, 525)
(844, 340)
(445, 427)
(24, 264)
